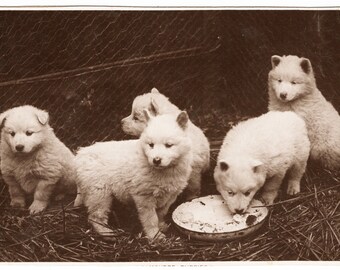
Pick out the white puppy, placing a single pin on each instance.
(260, 152)
(33, 159)
(157, 103)
(150, 172)
(292, 87)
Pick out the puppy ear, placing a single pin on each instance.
(182, 119)
(42, 117)
(306, 65)
(223, 166)
(2, 120)
(154, 90)
(257, 166)
(147, 115)
(154, 109)
(275, 60)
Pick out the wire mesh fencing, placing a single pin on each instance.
(86, 67)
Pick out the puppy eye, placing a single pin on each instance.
(247, 193)
(134, 118)
(151, 145)
(12, 133)
(279, 80)
(293, 82)
(231, 193)
(168, 145)
(29, 133)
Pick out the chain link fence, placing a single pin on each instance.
(86, 67)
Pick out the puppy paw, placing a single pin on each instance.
(78, 201)
(163, 227)
(268, 199)
(156, 236)
(293, 188)
(37, 207)
(108, 235)
(18, 203)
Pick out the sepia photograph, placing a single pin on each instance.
(169, 134)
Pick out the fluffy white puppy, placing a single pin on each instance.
(33, 160)
(157, 103)
(259, 153)
(149, 172)
(292, 87)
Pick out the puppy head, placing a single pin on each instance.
(238, 180)
(23, 128)
(164, 140)
(291, 77)
(155, 102)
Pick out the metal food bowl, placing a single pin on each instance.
(209, 219)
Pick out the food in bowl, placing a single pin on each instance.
(209, 218)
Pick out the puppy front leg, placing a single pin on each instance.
(271, 188)
(79, 199)
(99, 206)
(42, 195)
(146, 208)
(162, 211)
(193, 189)
(294, 176)
(16, 193)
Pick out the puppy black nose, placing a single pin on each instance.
(19, 147)
(283, 95)
(157, 160)
(239, 211)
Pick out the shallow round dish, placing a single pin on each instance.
(209, 219)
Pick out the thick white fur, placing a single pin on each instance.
(157, 103)
(259, 153)
(126, 170)
(44, 167)
(304, 98)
